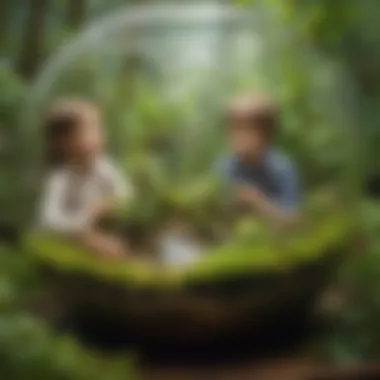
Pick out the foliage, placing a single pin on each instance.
(11, 101)
(348, 33)
(320, 61)
(30, 349)
(355, 332)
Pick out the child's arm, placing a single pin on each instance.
(267, 208)
(53, 214)
(102, 243)
(118, 189)
(284, 207)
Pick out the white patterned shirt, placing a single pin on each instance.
(69, 196)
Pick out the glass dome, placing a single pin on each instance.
(162, 77)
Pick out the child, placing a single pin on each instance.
(264, 180)
(82, 183)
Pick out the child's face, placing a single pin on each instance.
(87, 142)
(246, 138)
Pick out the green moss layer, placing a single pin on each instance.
(327, 236)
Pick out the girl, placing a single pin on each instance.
(82, 183)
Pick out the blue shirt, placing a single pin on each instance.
(274, 175)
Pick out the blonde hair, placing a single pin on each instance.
(257, 106)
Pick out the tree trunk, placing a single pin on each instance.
(32, 44)
(76, 13)
(5, 10)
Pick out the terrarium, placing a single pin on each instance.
(162, 76)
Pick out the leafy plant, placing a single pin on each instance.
(355, 329)
(29, 348)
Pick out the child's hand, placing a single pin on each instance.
(101, 209)
(103, 244)
(114, 249)
(98, 210)
(246, 194)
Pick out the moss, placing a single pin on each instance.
(325, 236)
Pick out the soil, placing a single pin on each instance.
(274, 369)
(281, 368)
(284, 358)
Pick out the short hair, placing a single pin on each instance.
(259, 108)
(62, 119)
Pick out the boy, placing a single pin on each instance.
(264, 181)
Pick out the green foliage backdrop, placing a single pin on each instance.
(321, 63)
